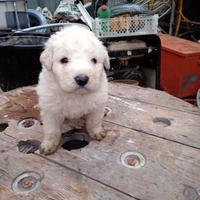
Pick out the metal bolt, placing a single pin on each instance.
(27, 123)
(134, 160)
(26, 182)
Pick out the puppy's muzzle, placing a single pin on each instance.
(81, 80)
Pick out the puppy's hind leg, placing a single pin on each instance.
(94, 124)
(52, 132)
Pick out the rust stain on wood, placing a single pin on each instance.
(19, 103)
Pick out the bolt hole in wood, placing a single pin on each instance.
(107, 111)
(3, 126)
(26, 182)
(162, 121)
(131, 159)
(27, 123)
(28, 146)
(74, 139)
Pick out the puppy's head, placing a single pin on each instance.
(76, 58)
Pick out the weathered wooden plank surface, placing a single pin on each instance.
(19, 103)
(57, 182)
(171, 170)
(184, 126)
(150, 119)
(151, 96)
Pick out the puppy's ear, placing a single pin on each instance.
(46, 56)
(106, 62)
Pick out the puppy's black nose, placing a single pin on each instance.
(81, 79)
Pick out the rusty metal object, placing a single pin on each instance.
(131, 159)
(26, 182)
(27, 123)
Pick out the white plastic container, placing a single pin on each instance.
(125, 26)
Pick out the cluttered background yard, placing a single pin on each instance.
(168, 60)
(152, 148)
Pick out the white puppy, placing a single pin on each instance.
(72, 84)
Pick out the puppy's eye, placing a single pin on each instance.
(94, 60)
(64, 60)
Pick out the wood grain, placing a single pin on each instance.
(151, 96)
(170, 168)
(184, 128)
(19, 103)
(171, 152)
(58, 182)
(133, 114)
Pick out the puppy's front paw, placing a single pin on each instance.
(98, 135)
(48, 147)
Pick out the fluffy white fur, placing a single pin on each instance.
(60, 97)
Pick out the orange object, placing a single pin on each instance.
(180, 66)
